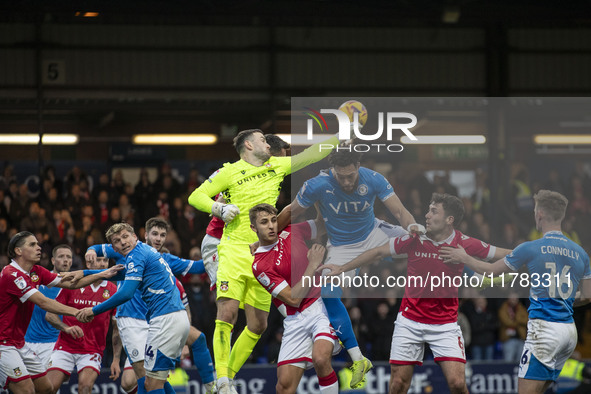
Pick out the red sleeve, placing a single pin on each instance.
(304, 230)
(477, 248)
(401, 245)
(17, 286)
(46, 277)
(179, 286)
(268, 278)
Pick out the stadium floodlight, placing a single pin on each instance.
(175, 139)
(562, 139)
(33, 139)
(444, 139)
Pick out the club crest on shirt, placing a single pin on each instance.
(264, 279)
(17, 372)
(106, 293)
(135, 352)
(20, 282)
(224, 286)
(34, 277)
(362, 189)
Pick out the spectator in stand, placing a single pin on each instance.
(19, 206)
(513, 328)
(144, 197)
(75, 202)
(4, 235)
(36, 221)
(7, 176)
(117, 187)
(3, 207)
(167, 182)
(74, 176)
(484, 325)
(103, 185)
(193, 181)
(380, 332)
(126, 209)
(102, 209)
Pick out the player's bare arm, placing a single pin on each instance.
(117, 347)
(76, 279)
(458, 255)
(500, 253)
(315, 258)
(53, 319)
(365, 258)
(49, 305)
(397, 209)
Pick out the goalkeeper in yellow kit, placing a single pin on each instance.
(252, 180)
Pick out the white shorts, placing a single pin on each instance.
(209, 253)
(42, 350)
(342, 254)
(300, 331)
(391, 230)
(133, 333)
(19, 364)
(547, 347)
(65, 362)
(166, 337)
(409, 338)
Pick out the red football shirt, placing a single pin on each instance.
(184, 297)
(95, 332)
(440, 304)
(273, 264)
(215, 228)
(16, 286)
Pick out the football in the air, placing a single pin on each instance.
(353, 106)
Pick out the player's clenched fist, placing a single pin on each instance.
(316, 255)
(85, 315)
(226, 212)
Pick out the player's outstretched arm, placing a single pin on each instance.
(312, 154)
(365, 258)
(180, 266)
(83, 278)
(53, 319)
(401, 214)
(458, 255)
(293, 296)
(500, 253)
(49, 305)
(124, 294)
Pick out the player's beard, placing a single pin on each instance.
(262, 156)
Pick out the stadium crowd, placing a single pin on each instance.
(67, 210)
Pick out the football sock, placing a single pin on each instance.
(221, 346)
(141, 388)
(341, 322)
(202, 359)
(329, 384)
(241, 350)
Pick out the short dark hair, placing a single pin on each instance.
(243, 136)
(252, 214)
(343, 158)
(157, 222)
(61, 246)
(17, 241)
(452, 206)
(276, 143)
(552, 203)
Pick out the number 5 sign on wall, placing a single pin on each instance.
(54, 72)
